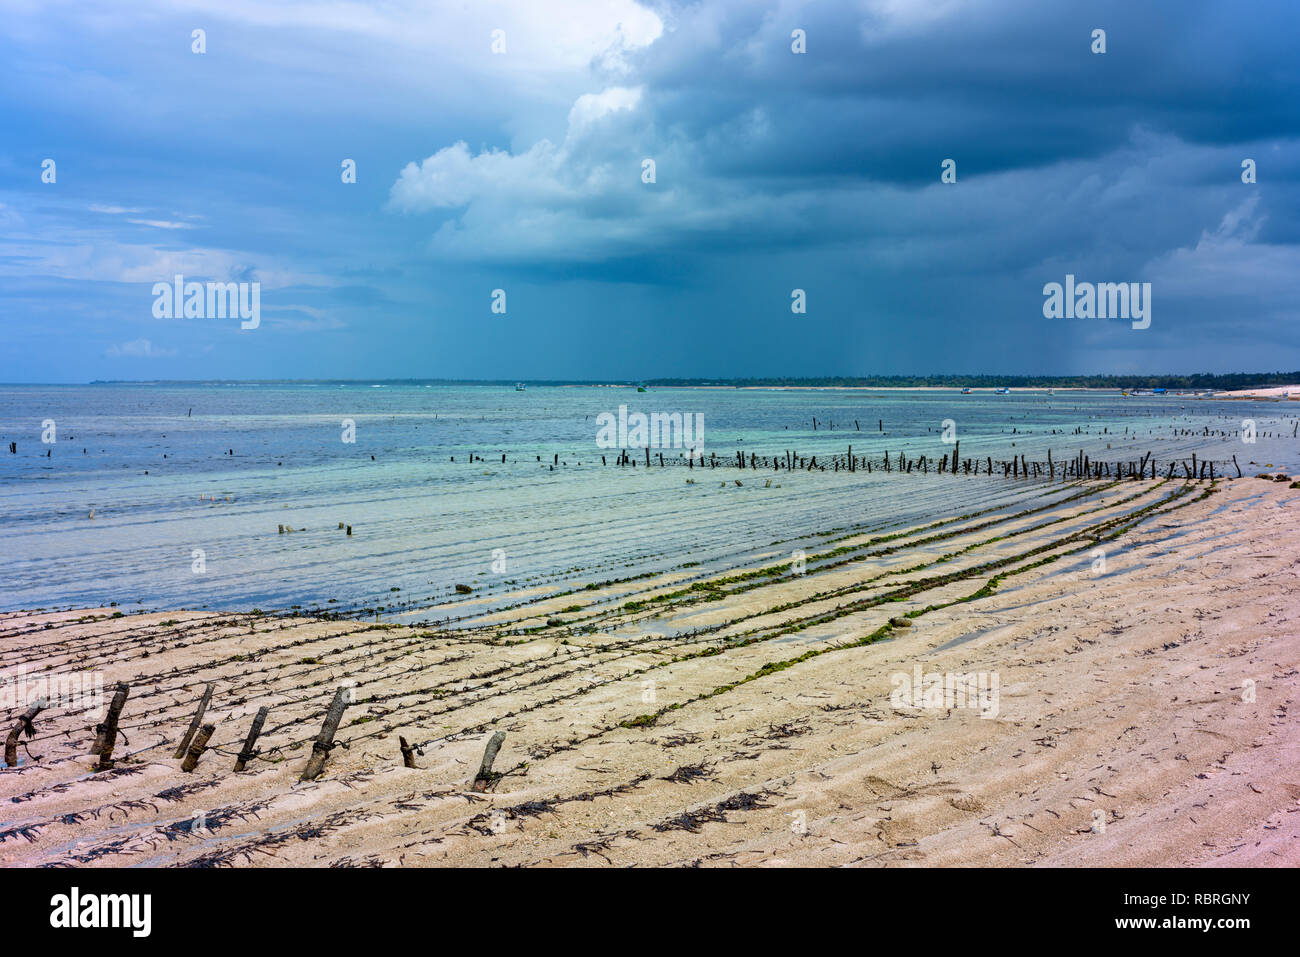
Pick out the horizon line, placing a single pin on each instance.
(952, 380)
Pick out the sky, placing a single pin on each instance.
(502, 146)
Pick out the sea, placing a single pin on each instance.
(173, 496)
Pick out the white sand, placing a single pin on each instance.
(1145, 716)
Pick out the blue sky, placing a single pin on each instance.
(522, 170)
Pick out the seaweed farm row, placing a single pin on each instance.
(639, 711)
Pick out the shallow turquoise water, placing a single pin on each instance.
(150, 459)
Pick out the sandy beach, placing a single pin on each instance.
(1139, 638)
(1271, 392)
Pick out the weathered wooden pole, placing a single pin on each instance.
(320, 750)
(24, 724)
(197, 748)
(247, 753)
(484, 778)
(408, 753)
(183, 748)
(106, 733)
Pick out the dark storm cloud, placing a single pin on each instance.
(775, 171)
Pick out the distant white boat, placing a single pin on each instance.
(519, 387)
(1003, 391)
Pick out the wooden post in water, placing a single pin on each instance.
(247, 753)
(24, 724)
(484, 778)
(197, 748)
(320, 750)
(183, 748)
(106, 733)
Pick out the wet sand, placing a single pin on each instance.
(1145, 708)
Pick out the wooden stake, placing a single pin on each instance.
(106, 733)
(320, 750)
(197, 748)
(184, 746)
(247, 753)
(408, 753)
(484, 778)
(24, 724)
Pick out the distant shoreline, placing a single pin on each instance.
(1232, 384)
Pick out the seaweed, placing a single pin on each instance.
(714, 813)
(690, 773)
(27, 832)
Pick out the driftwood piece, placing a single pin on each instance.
(106, 733)
(183, 748)
(320, 750)
(408, 753)
(197, 747)
(485, 778)
(24, 724)
(247, 753)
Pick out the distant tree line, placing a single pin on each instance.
(1202, 380)
(1224, 382)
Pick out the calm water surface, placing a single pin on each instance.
(156, 463)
